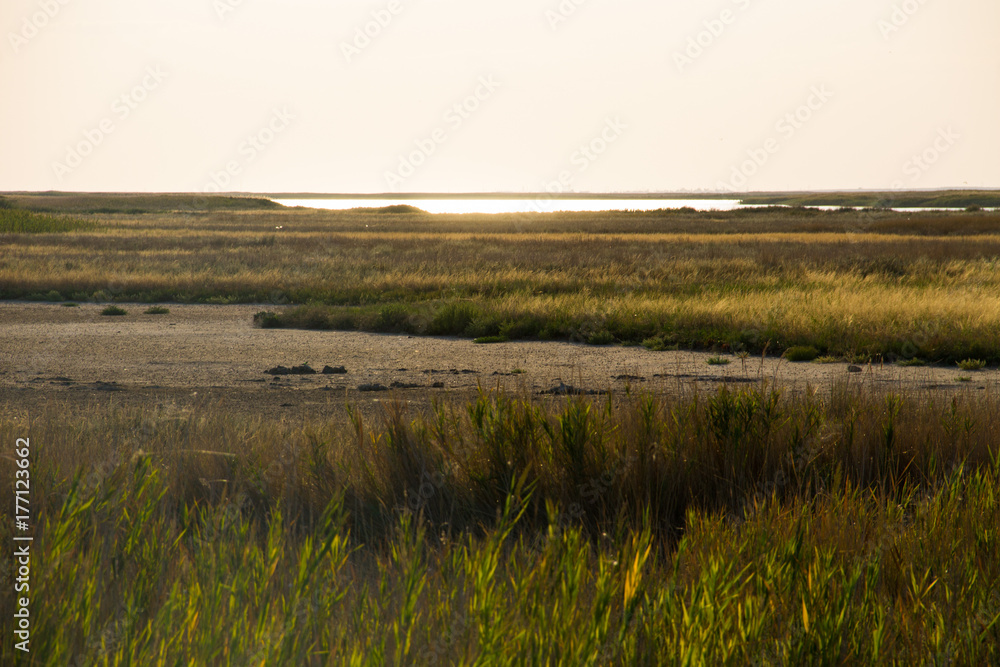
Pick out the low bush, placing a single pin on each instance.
(801, 353)
(453, 319)
(603, 337)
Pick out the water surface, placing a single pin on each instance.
(538, 205)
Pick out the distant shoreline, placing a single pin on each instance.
(953, 198)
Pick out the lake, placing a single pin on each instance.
(538, 205)
(545, 205)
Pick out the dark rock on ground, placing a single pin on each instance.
(304, 369)
(405, 385)
(564, 389)
(107, 386)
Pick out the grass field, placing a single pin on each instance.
(739, 527)
(845, 525)
(851, 284)
(889, 199)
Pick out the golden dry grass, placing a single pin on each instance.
(844, 282)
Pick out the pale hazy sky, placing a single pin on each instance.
(596, 95)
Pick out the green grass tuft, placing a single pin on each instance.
(801, 353)
(265, 319)
(114, 311)
(972, 364)
(488, 340)
(604, 337)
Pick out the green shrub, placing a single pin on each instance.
(911, 362)
(486, 340)
(343, 322)
(604, 337)
(157, 310)
(265, 319)
(656, 344)
(522, 327)
(972, 364)
(393, 318)
(718, 361)
(310, 317)
(453, 319)
(801, 353)
(114, 311)
(482, 326)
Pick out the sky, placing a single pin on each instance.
(515, 96)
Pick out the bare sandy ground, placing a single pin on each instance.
(47, 350)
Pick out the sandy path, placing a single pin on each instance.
(217, 347)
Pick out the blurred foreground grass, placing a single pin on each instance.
(736, 527)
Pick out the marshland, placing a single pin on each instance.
(733, 521)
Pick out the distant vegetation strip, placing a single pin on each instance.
(889, 199)
(135, 204)
(14, 221)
